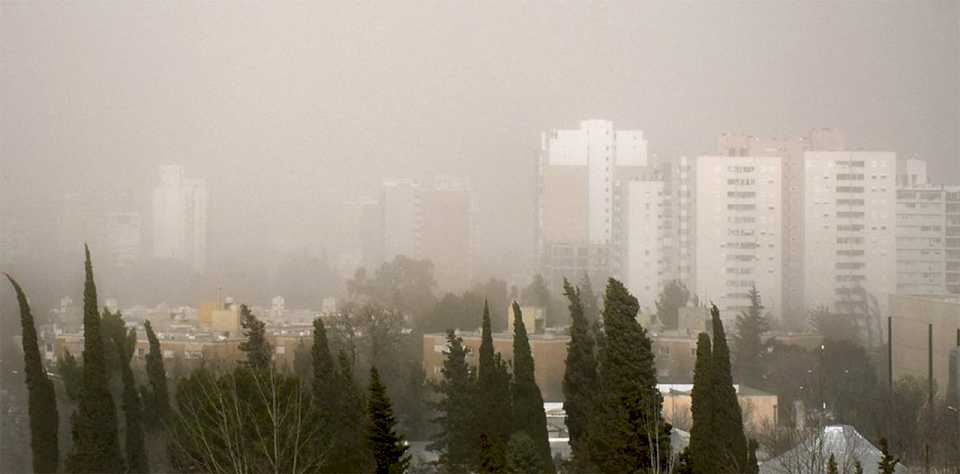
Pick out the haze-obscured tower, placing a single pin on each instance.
(575, 200)
(180, 218)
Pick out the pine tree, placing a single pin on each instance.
(749, 349)
(96, 448)
(157, 375)
(832, 465)
(349, 443)
(134, 446)
(72, 373)
(256, 346)
(325, 389)
(702, 449)
(888, 463)
(389, 449)
(528, 415)
(454, 439)
(628, 432)
(727, 417)
(673, 297)
(493, 390)
(41, 397)
(579, 378)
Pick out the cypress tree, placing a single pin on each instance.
(493, 390)
(95, 447)
(325, 389)
(454, 439)
(628, 433)
(256, 347)
(493, 459)
(41, 401)
(524, 455)
(727, 418)
(702, 449)
(389, 449)
(157, 374)
(748, 343)
(580, 376)
(588, 298)
(136, 451)
(529, 418)
(349, 443)
(72, 374)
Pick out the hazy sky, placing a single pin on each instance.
(288, 108)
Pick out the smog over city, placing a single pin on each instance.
(578, 237)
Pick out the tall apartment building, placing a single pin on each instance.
(849, 212)
(124, 236)
(643, 259)
(928, 233)
(578, 170)
(434, 221)
(739, 242)
(180, 218)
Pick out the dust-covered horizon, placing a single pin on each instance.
(291, 112)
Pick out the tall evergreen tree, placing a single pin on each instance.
(580, 377)
(454, 439)
(529, 417)
(349, 443)
(41, 397)
(134, 446)
(888, 463)
(628, 434)
(493, 391)
(95, 446)
(523, 456)
(727, 417)
(325, 389)
(703, 449)
(673, 297)
(72, 373)
(588, 298)
(748, 346)
(256, 346)
(493, 459)
(157, 374)
(389, 449)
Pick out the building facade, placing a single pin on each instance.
(739, 244)
(180, 218)
(849, 253)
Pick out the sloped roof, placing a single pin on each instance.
(810, 456)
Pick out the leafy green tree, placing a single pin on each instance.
(389, 449)
(580, 377)
(72, 374)
(350, 448)
(41, 397)
(528, 415)
(749, 349)
(888, 463)
(455, 440)
(257, 348)
(134, 446)
(95, 446)
(493, 391)
(628, 434)
(403, 284)
(673, 297)
(727, 417)
(703, 449)
(156, 374)
(524, 456)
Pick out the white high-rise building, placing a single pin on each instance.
(577, 173)
(646, 266)
(849, 209)
(400, 201)
(739, 245)
(180, 218)
(123, 238)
